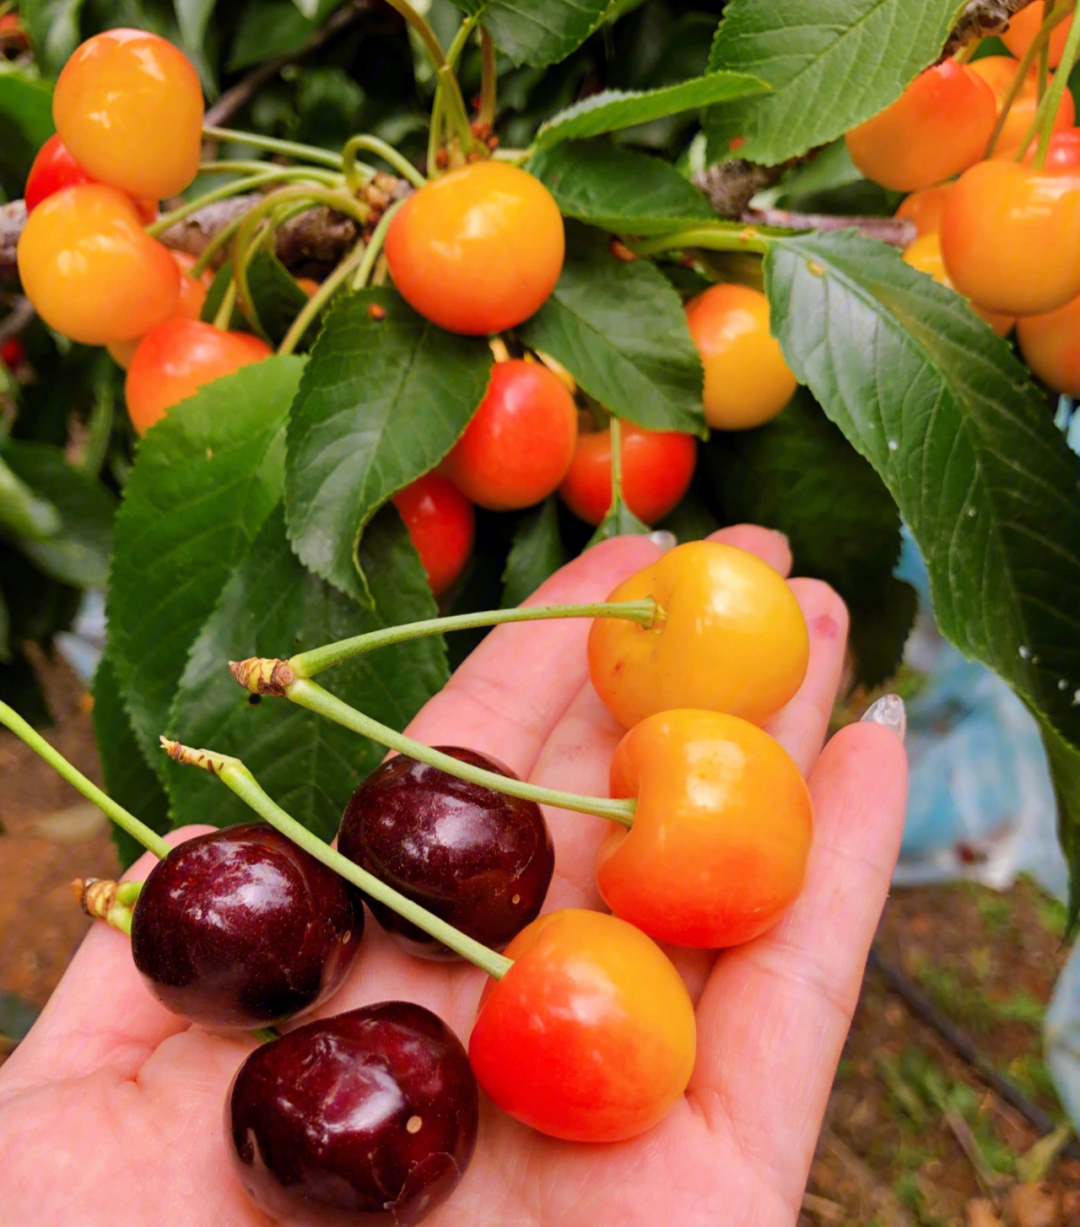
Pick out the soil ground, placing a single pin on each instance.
(913, 1138)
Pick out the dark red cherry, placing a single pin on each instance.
(241, 928)
(368, 1117)
(475, 857)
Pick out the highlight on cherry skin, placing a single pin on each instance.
(600, 1023)
(721, 833)
(476, 858)
(730, 637)
(369, 1117)
(240, 929)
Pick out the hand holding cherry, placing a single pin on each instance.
(161, 1083)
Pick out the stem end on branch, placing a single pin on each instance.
(263, 675)
(207, 759)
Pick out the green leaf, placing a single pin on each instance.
(276, 299)
(613, 109)
(54, 30)
(78, 552)
(540, 32)
(271, 28)
(831, 65)
(129, 780)
(205, 479)
(589, 183)
(620, 330)
(620, 521)
(967, 448)
(537, 553)
(798, 474)
(381, 402)
(23, 515)
(273, 606)
(192, 17)
(26, 102)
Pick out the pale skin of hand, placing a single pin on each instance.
(111, 1110)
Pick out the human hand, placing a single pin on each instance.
(112, 1107)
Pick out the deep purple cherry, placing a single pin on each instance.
(369, 1117)
(241, 928)
(478, 859)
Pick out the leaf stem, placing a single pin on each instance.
(223, 315)
(374, 247)
(713, 238)
(457, 45)
(310, 664)
(328, 177)
(233, 773)
(1052, 99)
(149, 839)
(308, 153)
(312, 696)
(234, 188)
(385, 151)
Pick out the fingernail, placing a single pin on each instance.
(783, 537)
(888, 711)
(664, 541)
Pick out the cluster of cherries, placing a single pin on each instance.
(997, 218)
(476, 251)
(374, 1112)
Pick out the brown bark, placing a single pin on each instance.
(980, 18)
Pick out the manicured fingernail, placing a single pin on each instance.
(889, 711)
(664, 541)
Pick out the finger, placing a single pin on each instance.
(800, 726)
(768, 544)
(508, 695)
(101, 1013)
(775, 1013)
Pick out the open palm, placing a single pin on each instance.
(111, 1110)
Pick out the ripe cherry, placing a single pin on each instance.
(721, 833)
(12, 353)
(90, 269)
(1024, 25)
(926, 208)
(520, 442)
(479, 250)
(1009, 234)
(925, 255)
(999, 72)
(1048, 343)
(590, 1036)
(53, 168)
(938, 126)
(478, 859)
(747, 381)
(240, 928)
(657, 466)
(367, 1117)
(176, 358)
(129, 107)
(308, 285)
(189, 305)
(442, 527)
(730, 638)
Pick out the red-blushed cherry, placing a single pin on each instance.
(478, 859)
(240, 928)
(368, 1117)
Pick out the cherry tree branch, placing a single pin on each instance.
(896, 231)
(980, 18)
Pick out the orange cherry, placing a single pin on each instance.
(129, 107)
(721, 833)
(590, 1036)
(926, 208)
(189, 305)
(999, 72)
(177, 358)
(90, 269)
(747, 381)
(1050, 346)
(1024, 25)
(938, 126)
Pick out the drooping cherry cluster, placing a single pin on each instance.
(585, 1031)
(992, 159)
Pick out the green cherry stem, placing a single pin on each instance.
(309, 664)
(149, 839)
(374, 247)
(110, 901)
(290, 149)
(232, 772)
(311, 695)
(224, 313)
(712, 238)
(355, 171)
(320, 298)
(488, 78)
(1052, 99)
(328, 177)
